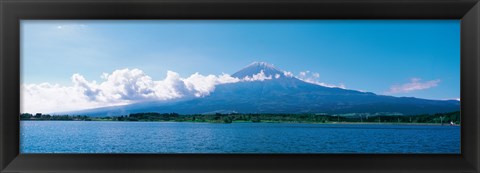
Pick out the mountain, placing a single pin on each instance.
(269, 90)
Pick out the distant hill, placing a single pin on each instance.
(280, 93)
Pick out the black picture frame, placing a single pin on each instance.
(12, 11)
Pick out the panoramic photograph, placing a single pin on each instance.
(240, 86)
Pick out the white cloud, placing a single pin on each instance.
(204, 85)
(47, 97)
(127, 86)
(457, 99)
(415, 84)
(341, 85)
(303, 74)
(258, 77)
(288, 74)
(313, 78)
(71, 26)
(118, 88)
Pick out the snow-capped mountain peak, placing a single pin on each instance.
(257, 68)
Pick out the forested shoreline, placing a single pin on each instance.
(439, 118)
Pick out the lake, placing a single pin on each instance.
(184, 137)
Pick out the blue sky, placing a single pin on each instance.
(417, 58)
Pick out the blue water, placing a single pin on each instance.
(170, 137)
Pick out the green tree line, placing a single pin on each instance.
(438, 118)
(39, 116)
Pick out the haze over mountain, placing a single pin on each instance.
(266, 89)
